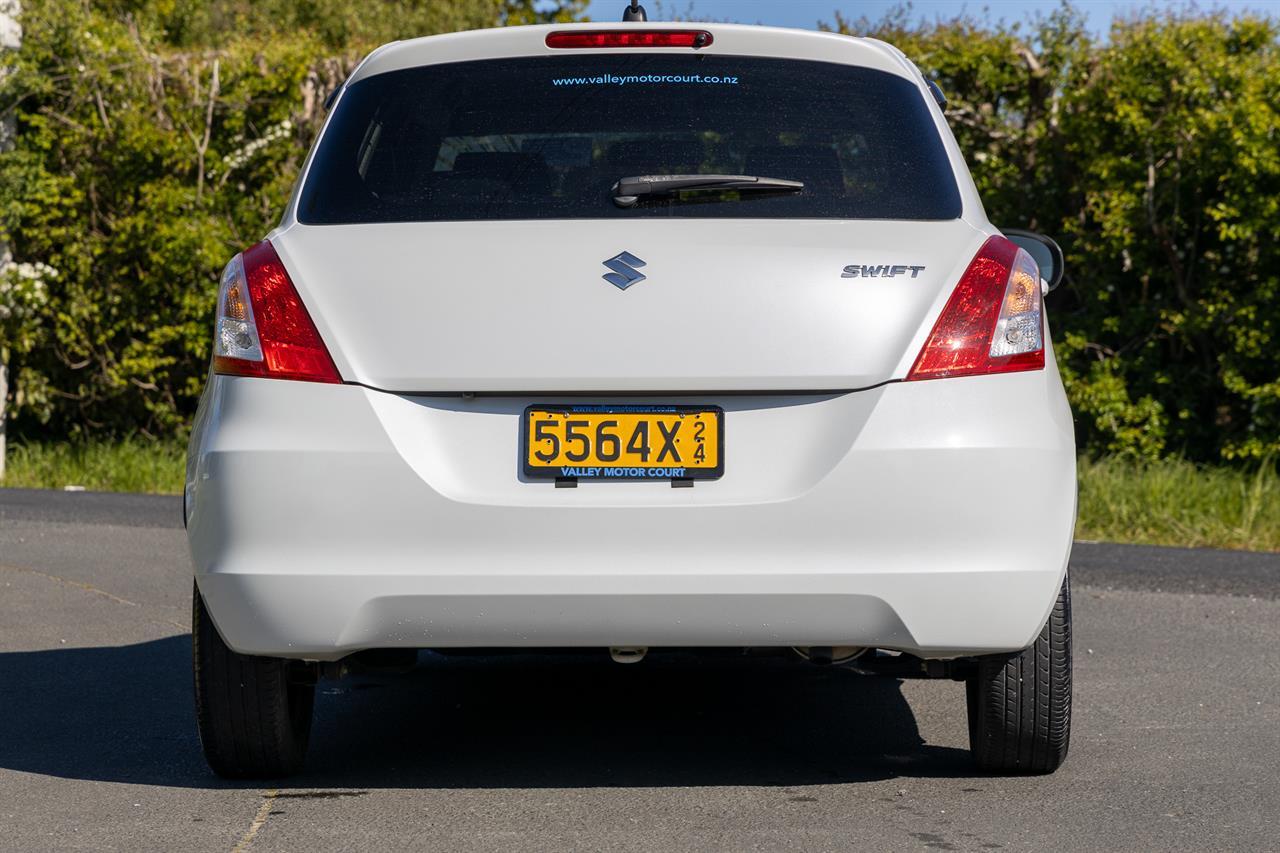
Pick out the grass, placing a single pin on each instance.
(1174, 502)
(1171, 502)
(131, 465)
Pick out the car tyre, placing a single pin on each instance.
(253, 713)
(1020, 704)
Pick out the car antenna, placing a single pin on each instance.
(634, 12)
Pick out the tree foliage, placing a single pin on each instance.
(1175, 232)
(1154, 158)
(158, 137)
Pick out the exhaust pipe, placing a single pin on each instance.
(628, 654)
(826, 655)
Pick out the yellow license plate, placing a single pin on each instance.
(624, 442)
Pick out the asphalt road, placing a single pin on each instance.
(1176, 744)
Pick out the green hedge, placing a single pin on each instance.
(1154, 158)
(155, 139)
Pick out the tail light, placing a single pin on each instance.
(262, 328)
(993, 321)
(630, 38)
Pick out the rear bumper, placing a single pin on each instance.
(931, 517)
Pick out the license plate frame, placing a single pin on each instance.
(594, 412)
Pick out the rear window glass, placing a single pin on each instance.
(548, 137)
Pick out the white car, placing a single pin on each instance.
(631, 338)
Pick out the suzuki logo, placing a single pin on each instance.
(624, 270)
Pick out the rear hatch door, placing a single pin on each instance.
(533, 306)
(457, 229)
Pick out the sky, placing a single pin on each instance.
(806, 13)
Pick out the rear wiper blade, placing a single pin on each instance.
(628, 191)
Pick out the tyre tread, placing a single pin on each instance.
(1020, 704)
(254, 721)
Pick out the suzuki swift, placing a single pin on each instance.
(634, 338)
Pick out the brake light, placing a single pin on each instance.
(262, 328)
(630, 38)
(992, 323)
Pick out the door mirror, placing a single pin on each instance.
(1045, 252)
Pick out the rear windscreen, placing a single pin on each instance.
(548, 137)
